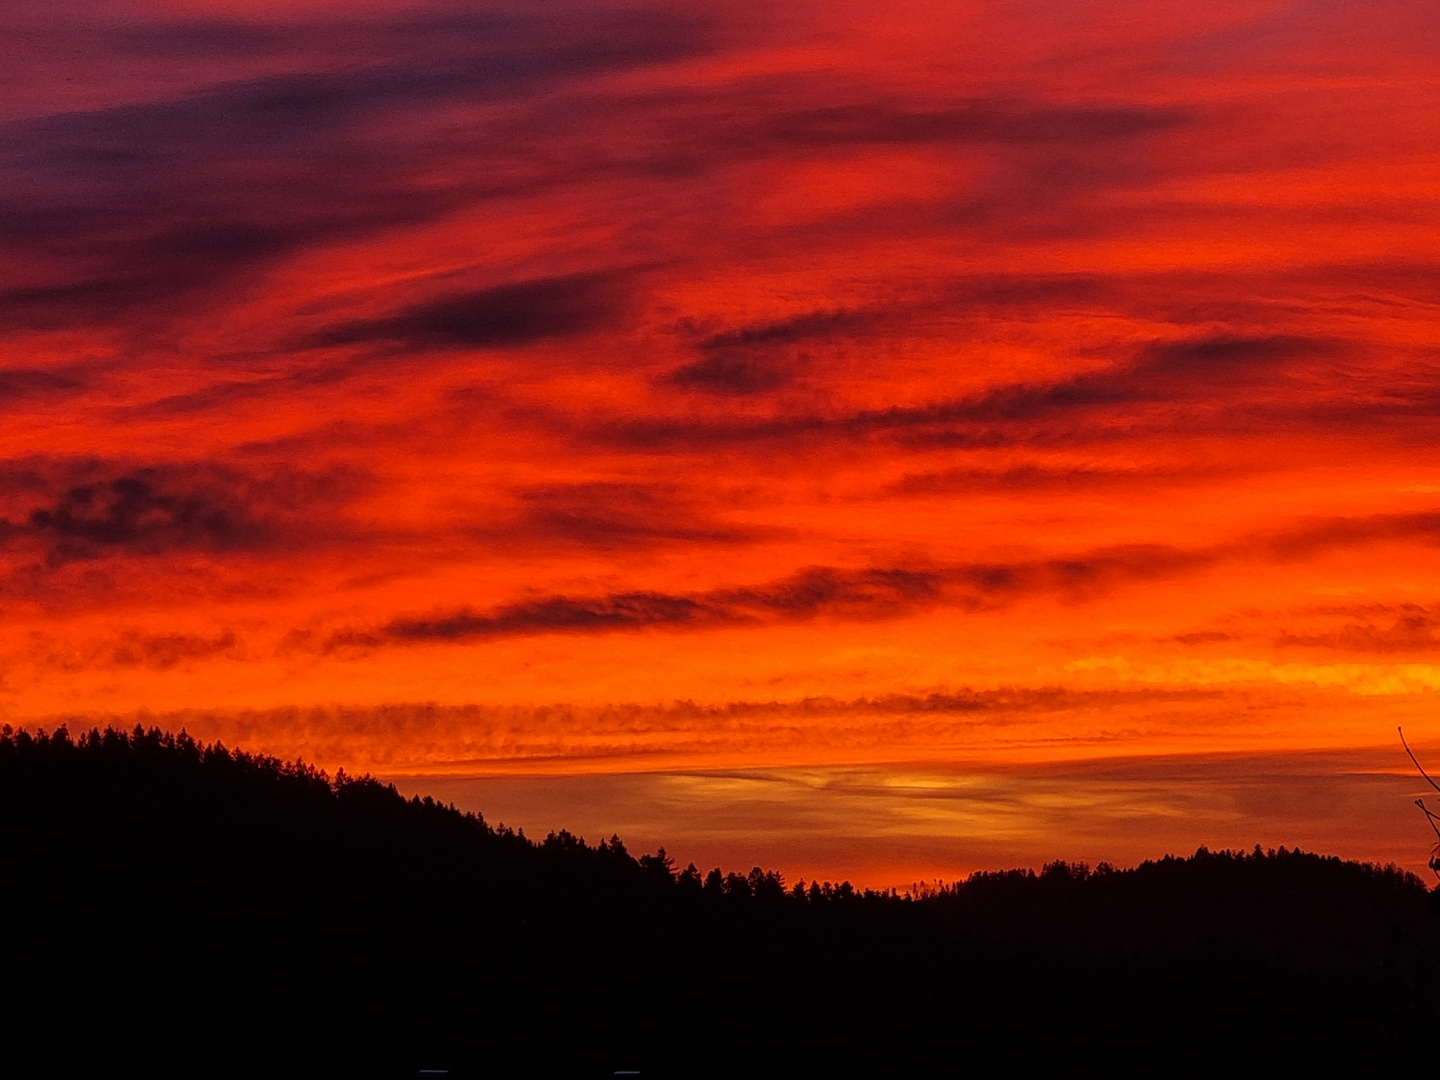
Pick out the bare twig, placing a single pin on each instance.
(1423, 773)
(1430, 816)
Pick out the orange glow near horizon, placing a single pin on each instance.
(570, 391)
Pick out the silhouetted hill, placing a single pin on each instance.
(176, 909)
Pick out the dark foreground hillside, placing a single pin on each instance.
(172, 909)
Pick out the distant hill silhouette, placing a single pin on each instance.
(171, 908)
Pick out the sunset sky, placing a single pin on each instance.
(875, 440)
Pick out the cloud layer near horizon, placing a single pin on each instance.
(582, 357)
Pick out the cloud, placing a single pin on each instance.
(1227, 354)
(808, 326)
(140, 513)
(511, 314)
(63, 512)
(1045, 159)
(760, 357)
(1202, 373)
(418, 736)
(134, 649)
(18, 384)
(808, 593)
(879, 593)
(620, 611)
(1319, 535)
(864, 594)
(1047, 478)
(997, 120)
(1203, 637)
(610, 515)
(146, 208)
(320, 131)
(1191, 370)
(164, 651)
(1407, 634)
(731, 374)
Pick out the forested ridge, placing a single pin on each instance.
(178, 908)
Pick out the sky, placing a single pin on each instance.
(876, 440)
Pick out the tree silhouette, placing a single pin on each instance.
(348, 930)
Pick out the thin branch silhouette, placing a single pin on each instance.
(1430, 816)
(1423, 773)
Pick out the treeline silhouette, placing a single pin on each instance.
(173, 908)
